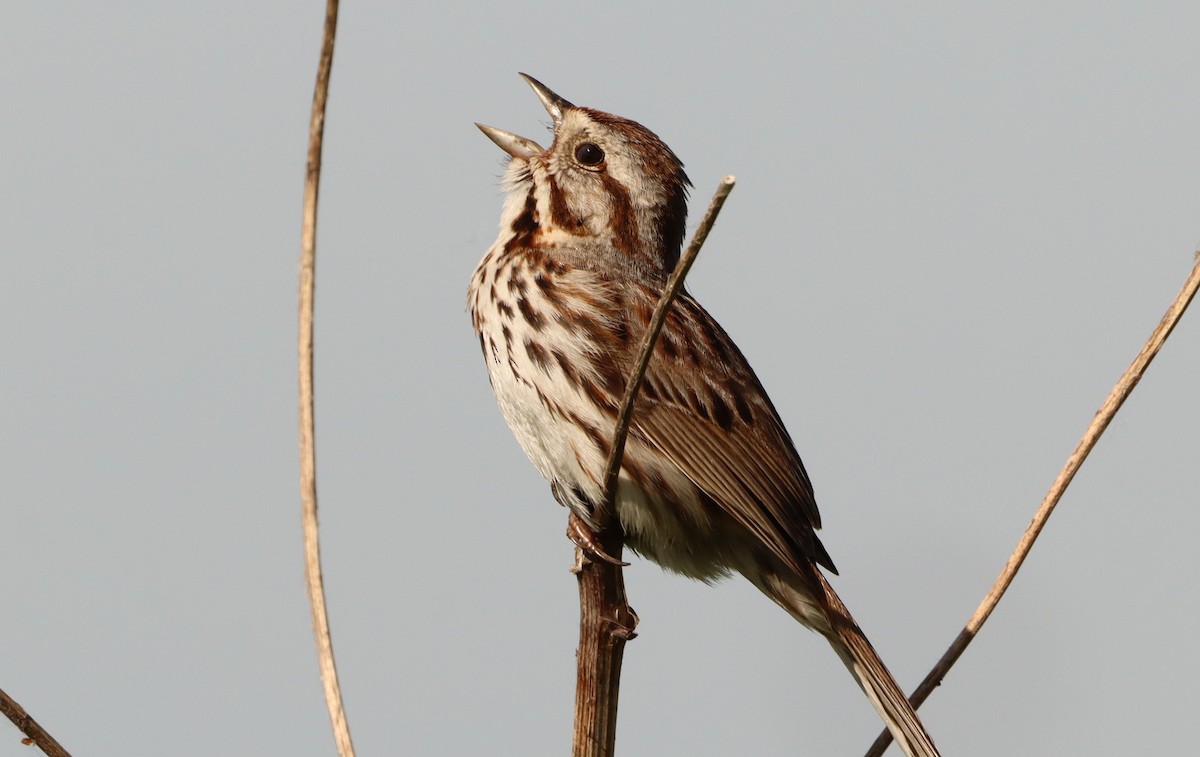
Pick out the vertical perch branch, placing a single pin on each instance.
(605, 623)
(308, 455)
(605, 620)
(1124, 387)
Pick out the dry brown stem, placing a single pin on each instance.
(1118, 395)
(34, 733)
(308, 453)
(605, 620)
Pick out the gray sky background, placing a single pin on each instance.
(953, 229)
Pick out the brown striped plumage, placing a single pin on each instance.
(710, 482)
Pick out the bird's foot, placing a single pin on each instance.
(582, 535)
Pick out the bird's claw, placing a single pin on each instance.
(581, 534)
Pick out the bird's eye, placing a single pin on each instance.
(589, 154)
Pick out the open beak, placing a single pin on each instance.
(514, 145)
(522, 147)
(554, 104)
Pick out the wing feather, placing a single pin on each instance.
(744, 461)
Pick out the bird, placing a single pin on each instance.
(710, 483)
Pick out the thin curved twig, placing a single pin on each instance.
(1118, 395)
(659, 317)
(308, 454)
(605, 620)
(34, 733)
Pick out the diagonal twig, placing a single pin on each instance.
(1104, 416)
(34, 733)
(605, 620)
(308, 455)
(659, 317)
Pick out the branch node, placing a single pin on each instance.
(624, 626)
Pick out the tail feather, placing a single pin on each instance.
(891, 704)
(826, 614)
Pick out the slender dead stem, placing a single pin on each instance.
(605, 620)
(308, 452)
(1118, 395)
(34, 733)
(659, 317)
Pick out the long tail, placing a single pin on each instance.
(823, 611)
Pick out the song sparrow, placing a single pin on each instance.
(710, 483)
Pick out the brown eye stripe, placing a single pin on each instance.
(622, 221)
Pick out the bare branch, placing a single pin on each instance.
(674, 286)
(1118, 395)
(308, 454)
(34, 733)
(605, 620)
